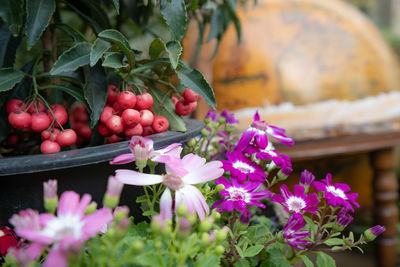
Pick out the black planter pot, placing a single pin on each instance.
(82, 170)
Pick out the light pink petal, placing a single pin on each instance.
(45, 218)
(166, 205)
(33, 236)
(35, 249)
(210, 171)
(95, 222)
(193, 162)
(137, 178)
(56, 257)
(199, 202)
(181, 196)
(175, 166)
(123, 159)
(83, 204)
(173, 150)
(68, 203)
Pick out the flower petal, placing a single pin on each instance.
(166, 205)
(56, 257)
(137, 178)
(95, 222)
(199, 202)
(35, 249)
(123, 159)
(210, 171)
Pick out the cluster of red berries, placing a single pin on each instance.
(33, 117)
(185, 106)
(79, 120)
(127, 114)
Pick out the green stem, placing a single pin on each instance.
(154, 80)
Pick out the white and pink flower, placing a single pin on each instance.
(298, 202)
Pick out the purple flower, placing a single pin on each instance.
(306, 178)
(230, 118)
(336, 194)
(374, 232)
(245, 217)
(238, 196)
(343, 219)
(297, 202)
(269, 152)
(212, 116)
(291, 233)
(242, 167)
(260, 131)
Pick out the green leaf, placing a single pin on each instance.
(276, 258)
(325, 260)
(95, 91)
(114, 60)
(38, 15)
(157, 47)
(120, 40)
(307, 261)
(71, 90)
(97, 50)
(96, 26)
(174, 50)
(253, 251)
(149, 213)
(174, 14)
(334, 242)
(73, 58)
(205, 260)
(9, 77)
(72, 32)
(242, 263)
(167, 109)
(216, 25)
(149, 259)
(11, 11)
(240, 251)
(8, 46)
(116, 4)
(195, 81)
(233, 16)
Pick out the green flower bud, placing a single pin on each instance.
(110, 201)
(158, 244)
(204, 132)
(191, 217)
(215, 214)
(280, 238)
(221, 120)
(181, 210)
(91, 208)
(51, 204)
(206, 224)
(220, 235)
(230, 128)
(191, 143)
(137, 246)
(373, 232)
(220, 187)
(205, 239)
(219, 249)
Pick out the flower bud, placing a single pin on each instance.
(215, 214)
(155, 224)
(205, 239)
(121, 212)
(220, 187)
(205, 132)
(220, 235)
(91, 208)
(191, 143)
(373, 232)
(284, 173)
(206, 224)
(230, 128)
(50, 195)
(114, 189)
(158, 244)
(221, 120)
(191, 217)
(280, 238)
(137, 246)
(219, 249)
(181, 210)
(184, 226)
(245, 217)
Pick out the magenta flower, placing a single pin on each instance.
(297, 202)
(238, 196)
(306, 178)
(65, 232)
(291, 233)
(242, 167)
(212, 116)
(336, 194)
(260, 131)
(180, 177)
(374, 232)
(343, 219)
(142, 150)
(231, 121)
(270, 153)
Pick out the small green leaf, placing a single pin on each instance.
(71, 90)
(97, 50)
(233, 16)
(174, 50)
(120, 40)
(114, 60)
(149, 259)
(75, 57)
(149, 213)
(216, 25)
(195, 81)
(38, 15)
(275, 258)
(334, 242)
(174, 14)
(72, 32)
(307, 261)
(157, 47)
(8, 46)
(253, 251)
(240, 251)
(10, 77)
(242, 263)
(116, 4)
(11, 11)
(325, 260)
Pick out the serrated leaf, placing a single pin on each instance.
(240, 251)
(307, 261)
(325, 260)
(95, 91)
(157, 47)
(114, 60)
(120, 40)
(253, 250)
(8, 46)
(275, 258)
(75, 92)
(167, 109)
(97, 50)
(38, 15)
(174, 14)
(174, 50)
(11, 11)
(71, 32)
(216, 25)
(234, 18)
(242, 263)
(149, 259)
(334, 242)
(9, 78)
(116, 4)
(75, 57)
(194, 80)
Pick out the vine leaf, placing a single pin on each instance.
(174, 14)
(114, 60)
(97, 50)
(11, 11)
(157, 47)
(38, 15)
(10, 77)
(174, 50)
(75, 57)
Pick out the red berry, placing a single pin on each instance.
(77, 107)
(146, 117)
(130, 117)
(15, 105)
(83, 130)
(190, 96)
(81, 116)
(8, 239)
(114, 124)
(174, 99)
(135, 130)
(144, 101)
(182, 108)
(103, 130)
(36, 107)
(112, 139)
(49, 147)
(66, 137)
(126, 100)
(148, 130)
(20, 119)
(106, 114)
(112, 93)
(48, 135)
(193, 105)
(160, 124)
(60, 113)
(40, 122)
(117, 109)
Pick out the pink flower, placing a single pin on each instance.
(270, 153)
(260, 131)
(336, 194)
(291, 233)
(65, 232)
(180, 177)
(142, 150)
(50, 189)
(238, 196)
(242, 167)
(297, 202)
(306, 178)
